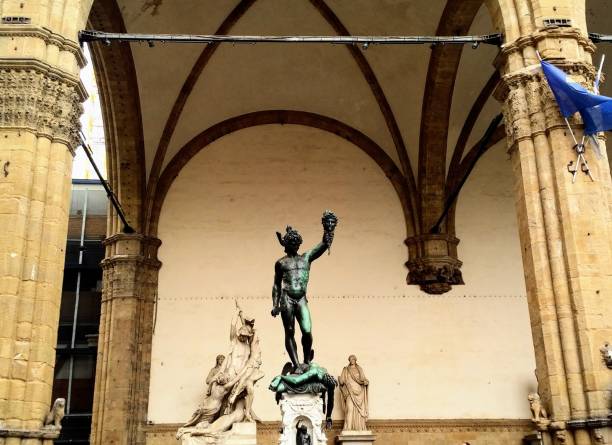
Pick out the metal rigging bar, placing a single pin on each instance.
(108, 37)
(109, 192)
(600, 38)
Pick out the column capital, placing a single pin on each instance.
(546, 40)
(433, 263)
(529, 107)
(42, 99)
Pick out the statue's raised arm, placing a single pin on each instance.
(329, 222)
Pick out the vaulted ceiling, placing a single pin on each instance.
(422, 106)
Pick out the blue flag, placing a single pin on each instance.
(596, 110)
(597, 118)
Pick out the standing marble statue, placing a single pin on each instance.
(354, 391)
(230, 384)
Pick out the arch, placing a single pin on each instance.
(381, 99)
(181, 101)
(456, 19)
(504, 18)
(267, 117)
(362, 63)
(118, 86)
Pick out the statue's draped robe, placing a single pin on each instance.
(355, 398)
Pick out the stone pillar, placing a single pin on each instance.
(565, 232)
(40, 105)
(124, 348)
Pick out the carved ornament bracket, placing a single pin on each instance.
(433, 263)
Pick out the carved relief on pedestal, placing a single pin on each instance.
(40, 99)
(305, 410)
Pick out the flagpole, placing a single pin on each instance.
(571, 131)
(593, 137)
(597, 79)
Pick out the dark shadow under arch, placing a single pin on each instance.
(267, 117)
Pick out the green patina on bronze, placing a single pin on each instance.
(313, 380)
(291, 275)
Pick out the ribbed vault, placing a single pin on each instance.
(384, 100)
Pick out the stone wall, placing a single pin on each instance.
(393, 432)
(451, 356)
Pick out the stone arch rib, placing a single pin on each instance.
(118, 86)
(456, 19)
(385, 108)
(468, 126)
(461, 161)
(217, 131)
(206, 55)
(181, 101)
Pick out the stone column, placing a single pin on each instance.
(40, 105)
(566, 234)
(124, 347)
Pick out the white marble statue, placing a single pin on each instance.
(537, 409)
(354, 390)
(230, 384)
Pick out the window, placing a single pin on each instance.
(77, 338)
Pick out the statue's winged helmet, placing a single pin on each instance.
(292, 237)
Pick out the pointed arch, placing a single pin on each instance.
(332, 19)
(217, 131)
(118, 87)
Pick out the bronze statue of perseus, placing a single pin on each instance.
(291, 274)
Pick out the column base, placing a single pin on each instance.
(347, 437)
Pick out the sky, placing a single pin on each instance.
(92, 126)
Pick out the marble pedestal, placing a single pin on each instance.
(243, 433)
(355, 438)
(306, 409)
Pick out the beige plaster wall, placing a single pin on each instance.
(467, 354)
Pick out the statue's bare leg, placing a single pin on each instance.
(249, 402)
(250, 390)
(288, 316)
(303, 317)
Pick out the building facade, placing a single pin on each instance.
(211, 149)
(79, 319)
